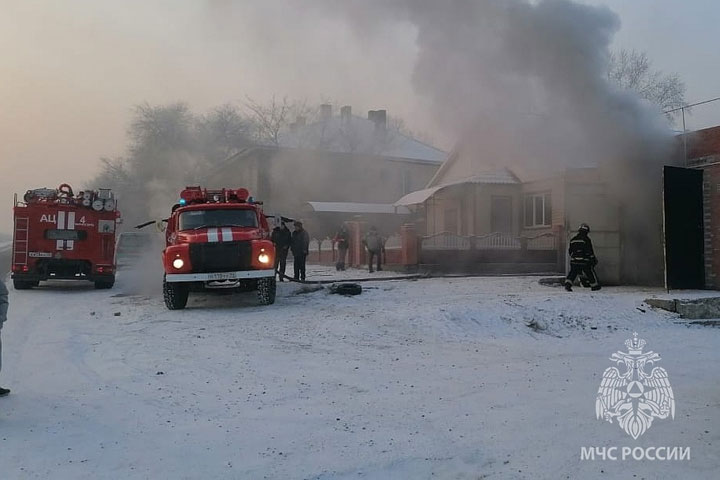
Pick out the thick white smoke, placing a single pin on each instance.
(525, 84)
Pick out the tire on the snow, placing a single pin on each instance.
(266, 288)
(175, 295)
(22, 284)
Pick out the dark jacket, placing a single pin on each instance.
(300, 242)
(581, 250)
(281, 237)
(3, 303)
(342, 238)
(373, 241)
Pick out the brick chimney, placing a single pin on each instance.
(379, 118)
(346, 114)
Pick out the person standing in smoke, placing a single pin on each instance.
(374, 244)
(342, 240)
(3, 316)
(582, 259)
(300, 246)
(281, 237)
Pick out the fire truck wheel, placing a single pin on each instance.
(175, 295)
(22, 285)
(266, 291)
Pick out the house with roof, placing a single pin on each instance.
(475, 216)
(341, 167)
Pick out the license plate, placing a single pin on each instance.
(221, 276)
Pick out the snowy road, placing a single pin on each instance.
(412, 379)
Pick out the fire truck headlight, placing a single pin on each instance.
(109, 205)
(97, 205)
(178, 263)
(264, 258)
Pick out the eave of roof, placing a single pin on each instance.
(351, 207)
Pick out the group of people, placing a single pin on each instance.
(297, 242)
(582, 255)
(372, 241)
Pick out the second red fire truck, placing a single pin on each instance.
(217, 239)
(60, 235)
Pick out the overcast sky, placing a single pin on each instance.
(71, 71)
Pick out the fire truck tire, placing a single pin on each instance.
(22, 284)
(175, 295)
(104, 284)
(266, 291)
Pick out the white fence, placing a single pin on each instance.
(492, 241)
(445, 241)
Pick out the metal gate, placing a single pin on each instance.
(683, 228)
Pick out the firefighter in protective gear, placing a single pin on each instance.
(582, 259)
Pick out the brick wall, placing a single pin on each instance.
(711, 220)
(704, 153)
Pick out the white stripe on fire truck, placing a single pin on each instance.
(212, 234)
(70, 226)
(227, 234)
(60, 244)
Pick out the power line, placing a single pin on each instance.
(692, 105)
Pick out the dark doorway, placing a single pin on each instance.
(683, 228)
(501, 218)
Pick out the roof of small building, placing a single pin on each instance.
(361, 136)
(502, 176)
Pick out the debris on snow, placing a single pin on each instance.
(308, 289)
(346, 288)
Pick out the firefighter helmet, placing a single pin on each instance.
(584, 227)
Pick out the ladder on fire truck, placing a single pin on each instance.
(20, 245)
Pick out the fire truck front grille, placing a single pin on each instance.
(220, 257)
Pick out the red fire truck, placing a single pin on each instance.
(217, 239)
(61, 235)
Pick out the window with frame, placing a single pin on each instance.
(538, 210)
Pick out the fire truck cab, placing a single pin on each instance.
(217, 239)
(60, 235)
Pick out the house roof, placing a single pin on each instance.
(360, 136)
(350, 207)
(497, 177)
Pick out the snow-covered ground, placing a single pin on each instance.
(433, 378)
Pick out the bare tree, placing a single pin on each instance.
(223, 132)
(633, 70)
(270, 119)
(114, 173)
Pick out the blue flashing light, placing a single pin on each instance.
(183, 201)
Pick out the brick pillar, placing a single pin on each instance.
(409, 242)
(356, 252)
